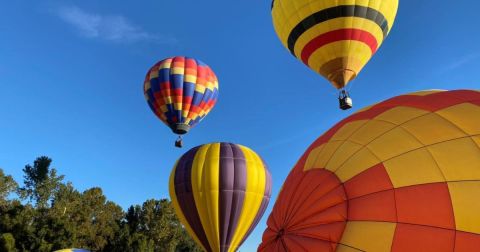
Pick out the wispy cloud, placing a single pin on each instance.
(462, 61)
(114, 28)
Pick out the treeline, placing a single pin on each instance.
(46, 214)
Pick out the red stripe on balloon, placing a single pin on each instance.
(338, 35)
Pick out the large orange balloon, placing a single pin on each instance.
(401, 175)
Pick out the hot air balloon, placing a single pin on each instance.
(72, 250)
(335, 38)
(181, 91)
(219, 192)
(401, 175)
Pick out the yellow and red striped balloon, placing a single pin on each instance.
(335, 38)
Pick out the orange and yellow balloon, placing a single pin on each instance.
(335, 38)
(401, 175)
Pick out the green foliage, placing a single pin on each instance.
(40, 181)
(7, 186)
(7, 243)
(57, 216)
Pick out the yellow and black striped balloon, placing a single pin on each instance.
(335, 38)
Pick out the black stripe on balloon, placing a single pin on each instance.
(336, 12)
(263, 206)
(186, 200)
(233, 182)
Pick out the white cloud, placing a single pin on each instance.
(115, 28)
(462, 61)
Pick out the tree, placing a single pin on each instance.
(158, 224)
(58, 216)
(41, 182)
(98, 220)
(7, 186)
(7, 243)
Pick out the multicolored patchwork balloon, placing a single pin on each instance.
(335, 38)
(181, 91)
(219, 192)
(401, 175)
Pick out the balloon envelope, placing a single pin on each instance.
(181, 91)
(219, 192)
(334, 38)
(401, 175)
(72, 250)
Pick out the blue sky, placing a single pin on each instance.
(71, 76)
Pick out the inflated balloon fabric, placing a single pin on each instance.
(335, 38)
(181, 90)
(72, 250)
(401, 175)
(219, 192)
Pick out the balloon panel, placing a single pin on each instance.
(407, 168)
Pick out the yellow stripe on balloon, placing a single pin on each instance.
(364, 235)
(197, 182)
(146, 87)
(200, 89)
(153, 74)
(333, 50)
(327, 151)
(426, 92)
(389, 10)
(337, 24)
(177, 208)
(356, 164)
(165, 64)
(401, 168)
(400, 114)
(212, 161)
(205, 187)
(168, 99)
(457, 169)
(464, 116)
(466, 205)
(254, 192)
(312, 158)
(190, 78)
(177, 70)
(209, 85)
(371, 130)
(177, 106)
(339, 158)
